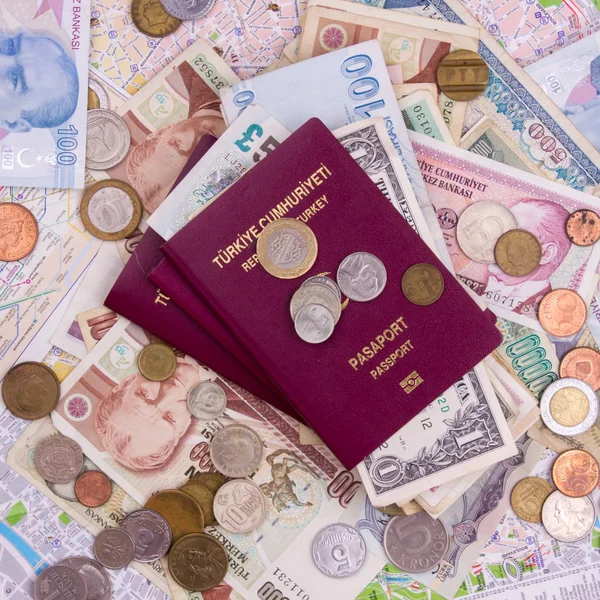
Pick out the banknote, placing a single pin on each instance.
(421, 114)
(43, 92)
(94, 324)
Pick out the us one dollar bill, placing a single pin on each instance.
(421, 114)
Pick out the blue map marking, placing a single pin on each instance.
(38, 564)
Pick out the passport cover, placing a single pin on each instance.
(387, 359)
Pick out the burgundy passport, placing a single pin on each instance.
(387, 359)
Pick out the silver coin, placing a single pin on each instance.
(236, 451)
(315, 293)
(114, 548)
(99, 90)
(60, 581)
(415, 543)
(150, 532)
(207, 401)
(361, 276)
(579, 406)
(568, 519)
(187, 10)
(66, 491)
(108, 139)
(96, 578)
(327, 282)
(58, 459)
(314, 323)
(339, 550)
(239, 506)
(479, 227)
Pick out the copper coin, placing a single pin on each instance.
(58, 459)
(18, 231)
(93, 488)
(422, 284)
(212, 480)
(528, 496)
(562, 312)
(517, 252)
(150, 17)
(582, 363)
(583, 227)
(181, 511)
(463, 75)
(575, 473)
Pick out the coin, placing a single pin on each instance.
(568, 519)
(93, 100)
(339, 550)
(479, 227)
(236, 451)
(391, 509)
(58, 458)
(239, 506)
(314, 323)
(583, 227)
(66, 491)
(157, 362)
(528, 496)
(517, 252)
(111, 210)
(315, 293)
(108, 139)
(327, 282)
(198, 562)
(204, 496)
(18, 231)
(113, 548)
(97, 96)
(150, 532)
(415, 543)
(569, 406)
(181, 511)
(96, 578)
(582, 363)
(287, 248)
(187, 10)
(575, 473)
(361, 276)
(150, 17)
(60, 581)
(463, 75)
(207, 400)
(93, 488)
(422, 284)
(562, 312)
(212, 480)
(30, 390)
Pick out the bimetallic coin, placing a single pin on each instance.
(569, 406)
(157, 362)
(361, 276)
(58, 582)
(479, 227)
(66, 491)
(575, 473)
(583, 227)
(327, 282)
(204, 496)
(150, 532)
(108, 139)
(181, 511)
(93, 100)
(528, 496)
(463, 75)
(314, 323)
(415, 543)
(517, 252)
(58, 459)
(150, 17)
(562, 312)
(315, 293)
(113, 548)
(111, 210)
(198, 562)
(236, 451)
(287, 248)
(239, 506)
(339, 550)
(212, 480)
(422, 284)
(568, 519)
(93, 488)
(97, 96)
(30, 390)
(18, 231)
(187, 10)
(582, 363)
(96, 578)
(207, 400)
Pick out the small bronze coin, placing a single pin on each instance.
(583, 227)
(422, 284)
(528, 496)
(582, 363)
(150, 17)
(93, 488)
(463, 75)
(575, 473)
(181, 511)
(517, 252)
(211, 480)
(198, 562)
(30, 390)
(204, 496)
(157, 362)
(562, 312)
(18, 231)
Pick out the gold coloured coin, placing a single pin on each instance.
(287, 248)
(569, 406)
(182, 512)
(528, 496)
(391, 509)
(518, 252)
(463, 75)
(157, 362)
(422, 284)
(211, 480)
(204, 496)
(93, 100)
(150, 17)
